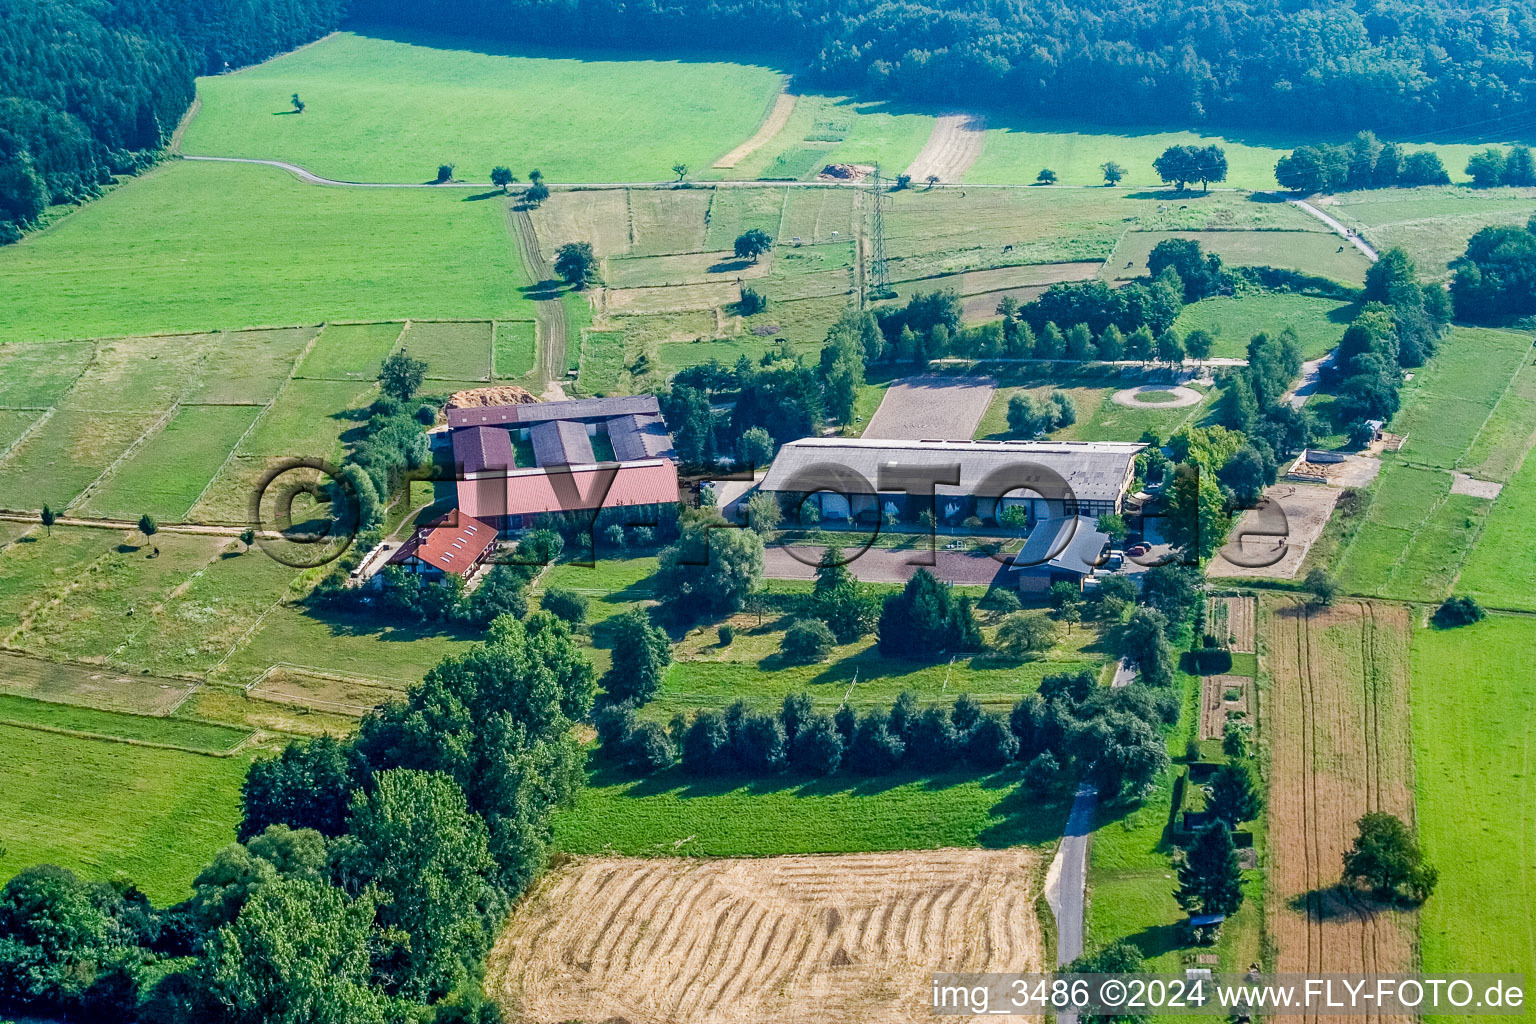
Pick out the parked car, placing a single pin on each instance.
(1136, 550)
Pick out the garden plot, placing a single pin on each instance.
(1222, 698)
(931, 407)
(458, 350)
(1232, 620)
(676, 299)
(1340, 745)
(682, 268)
(251, 367)
(168, 473)
(91, 687)
(349, 351)
(37, 376)
(792, 939)
(62, 455)
(140, 374)
(599, 218)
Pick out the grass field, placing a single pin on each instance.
(172, 251)
(672, 813)
(825, 130)
(105, 808)
(65, 454)
(1311, 252)
(1234, 320)
(37, 376)
(1099, 417)
(1413, 538)
(349, 351)
(1476, 788)
(1449, 402)
(1432, 224)
(1501, 570)
(513, 349)
(198, 737)
(586, 118)
(250, 366)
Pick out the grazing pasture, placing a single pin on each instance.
(90, 686)
(1451, 401)
(1472, 743)
(104, 808)
(1501, 570)
(809, 939)
(1432, 224)
(349, 351)
(37, 376)
(168, 473)
(1340, 746)
(587, 118)
(65, 453)
(1233, 321)
(250, 367)
(171, 251)
(1016, 149)
(513, 347)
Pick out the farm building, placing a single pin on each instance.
(516, 462)
(866, 479)
(1069, 548)
(453, 544)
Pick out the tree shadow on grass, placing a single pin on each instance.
(478, 196)
(545, 290)
(362, 624)
(1157, 939)
(730, 266)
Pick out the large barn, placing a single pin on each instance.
(865, 479)
(516, 462)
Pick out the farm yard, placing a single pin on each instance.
(795, 939)
(1340, 746)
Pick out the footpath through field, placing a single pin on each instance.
(548, 309)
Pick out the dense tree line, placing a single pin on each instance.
(1393, 65)
(91, 90)
(1496, 278)
(1363, 162)
(369, 877)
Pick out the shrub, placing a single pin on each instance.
(999, 599)
(903, 713)
(727, 634)
(1024, 632)
(1043, 774)
(992, 743)
(706, 744)
(650, 748)
(1458, 611)
(807, 641)
(817, 747)
(932, 742)
(565, 604)
(965, 714)
(758, 743)
(874, 750)
(795, 712)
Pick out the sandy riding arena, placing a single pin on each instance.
(931, 407)
(818, 940)
(1156, 395)
(952, 147)
(1341, 747)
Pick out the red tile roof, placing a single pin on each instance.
(455, 543)
(529, 492)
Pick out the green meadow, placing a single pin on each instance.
(1233, 321)
(597, 118)
(1475, 782)
(199, 246)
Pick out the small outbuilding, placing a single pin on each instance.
(1068, 549)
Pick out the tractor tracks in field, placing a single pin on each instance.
(548, 308)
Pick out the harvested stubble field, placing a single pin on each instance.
(1340, 747)
(789, 939)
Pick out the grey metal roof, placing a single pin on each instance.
(636, 437)
(539, 412)
(561, 443)
(477, 449)
(1092, 470)
(1068, 544)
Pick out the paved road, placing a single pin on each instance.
(1338, 229)
(1067, 878)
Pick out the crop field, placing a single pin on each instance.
(1432, 224)
(1340, 746)
(102, 807)
(169, 251)
(577, 119)
(1233, 321)
(793, 939)
(1476, 784)
(1311, 252)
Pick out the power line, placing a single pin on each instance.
(879, 282)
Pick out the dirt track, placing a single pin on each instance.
(952, 147)
(1341, 746)
(774, 123)
(786, 939)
